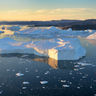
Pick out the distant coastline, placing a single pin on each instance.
(64, 24)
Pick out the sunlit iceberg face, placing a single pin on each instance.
(92, 36)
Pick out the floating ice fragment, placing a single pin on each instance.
(43, 82)
(8, 70)
(66, 86)
(78, 87)
(91, 87)
(76, 66)
(36, 70)
(47, 72)
(24, 87)
(70, 82)
(13, 70)
(25, 83)
(63, 81)
(43, 87)
(84, 64)
(26, 71)
(76, 69)
(1, 92)
(37, 76)
(19, 74)
(81, 68)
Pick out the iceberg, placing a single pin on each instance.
(57, 48)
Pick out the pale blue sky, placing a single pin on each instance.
(48, 5)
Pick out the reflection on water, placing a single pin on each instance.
(55, 64)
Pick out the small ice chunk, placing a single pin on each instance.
(76, 69)
(63, 81)
(66, 86)
(8, 70)
(1, 92)
(47, 72)
(26, 71)
(43, 82)
(36, 70)
(25, 83)
(37, 76)
(76, 66)
(24, 87)
(43, 87)
(84, 64)
(91, 87)
(13, 70)
(19, 74)
(78, 87)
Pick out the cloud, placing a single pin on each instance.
(48, 14)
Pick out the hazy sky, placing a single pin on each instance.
(47, 9)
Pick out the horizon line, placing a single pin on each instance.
(45, 20)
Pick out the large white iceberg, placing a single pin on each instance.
(58, 49)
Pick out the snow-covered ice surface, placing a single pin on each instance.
(56, 46)
(53, 31)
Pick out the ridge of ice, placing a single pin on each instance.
(54, 31)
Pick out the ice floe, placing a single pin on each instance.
(19, 74)
(66, 86)
(24, 88)
(43, 82)
(26, 83)
(1, 92)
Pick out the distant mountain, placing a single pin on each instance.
(64, 24)
(82, 25)
(40, 23)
